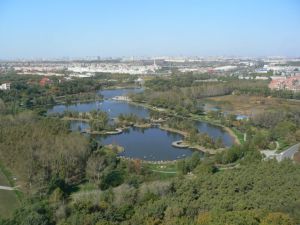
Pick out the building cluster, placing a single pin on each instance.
(225, 68)
(195, 69)
(283, 70)
(80, 68)
(128, 68)
(38, 68)
(285, 83)
(242, 77)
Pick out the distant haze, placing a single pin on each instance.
(55, 28)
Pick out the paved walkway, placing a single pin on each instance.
(290, 152)
(287, 154)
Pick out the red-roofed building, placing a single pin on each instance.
(290, 83)
(45, 81)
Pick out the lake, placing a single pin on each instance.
(215, 132)
(110, 93)
(147, 144)
(112, 107)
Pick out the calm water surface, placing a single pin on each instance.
(148, 144)
(112, 107)
(118, 92)
(215, 132)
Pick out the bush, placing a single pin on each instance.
(112, 179)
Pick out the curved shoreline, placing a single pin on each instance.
(183, 133)
(116, 131)
(149, 125)
(235, 138)
(231, 133)
(187, 145)
(179, 144)
(75, 119)
(149, 161)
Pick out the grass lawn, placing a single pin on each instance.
(171, 167)
(239, 135)
(163, 171)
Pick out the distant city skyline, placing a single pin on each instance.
(54, 29)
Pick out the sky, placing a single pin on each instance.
(115, 28)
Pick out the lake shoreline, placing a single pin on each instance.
(227, 129)
(231, 133)
(188, 145)
(169, 113)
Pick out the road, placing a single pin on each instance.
(289, 153)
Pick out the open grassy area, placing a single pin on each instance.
(251, 105)
(163, 171)
(170, 167)
(239, 134)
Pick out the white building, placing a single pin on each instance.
(114, 68)
(5, 86)
(261, 78)
(225, 68)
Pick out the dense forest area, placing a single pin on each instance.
(39, 149)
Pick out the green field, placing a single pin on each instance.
(8, 199)
(163, 171)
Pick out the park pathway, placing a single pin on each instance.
(7, 188)
(287, 154)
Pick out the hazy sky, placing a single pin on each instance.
(57, 28)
